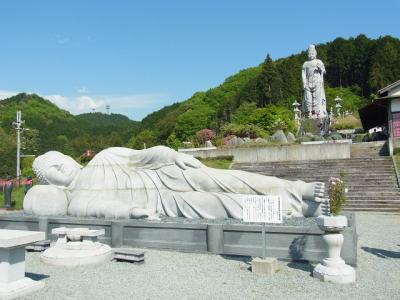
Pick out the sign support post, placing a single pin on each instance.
(263, 209)
(264, 240)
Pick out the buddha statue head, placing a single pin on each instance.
(55, 168)
(312, 52)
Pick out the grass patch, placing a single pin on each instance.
(348, 122)
(17, 197)
(221, 162)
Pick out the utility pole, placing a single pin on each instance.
(18, 127)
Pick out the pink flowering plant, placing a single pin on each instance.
(337, 193)
(205, 135)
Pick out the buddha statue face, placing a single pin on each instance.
(56, 168)
(312, 52)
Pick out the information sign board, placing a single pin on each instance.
(262, 208)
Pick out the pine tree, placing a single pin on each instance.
(268, 83)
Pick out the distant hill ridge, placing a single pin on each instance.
(52, 128)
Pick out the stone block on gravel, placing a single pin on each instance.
(129, 255)
(267, 266)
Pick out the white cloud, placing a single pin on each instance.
(60, 101)
(131, 101)
(7, 94)
(119, 103)
(75, 105)
(86, 102)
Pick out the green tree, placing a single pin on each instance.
(146, 138)
(173, 142)
(26, 166)
(8, 150)
(30, 141)
(268, 83)
(267, 116)
(115, 140)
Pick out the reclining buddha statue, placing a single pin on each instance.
(125, 183)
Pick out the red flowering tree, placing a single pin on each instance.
(205, 135)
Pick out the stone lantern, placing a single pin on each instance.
(296, 109)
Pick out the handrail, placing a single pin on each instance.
(396, 170)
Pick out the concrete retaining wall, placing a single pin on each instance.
(283, 242)
(278, 153)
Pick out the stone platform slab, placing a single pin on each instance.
(296, 240)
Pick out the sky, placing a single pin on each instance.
(138, 56)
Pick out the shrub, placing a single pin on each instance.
(248, 130)
(205, 135)
(337, 193)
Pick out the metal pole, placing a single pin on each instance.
(264, 240)
(18, 153)
(18, 122)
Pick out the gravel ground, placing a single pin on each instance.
(173, 275)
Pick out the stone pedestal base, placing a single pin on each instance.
(60, 256)
(19, 288)
(129, 255)
(334, 270)
(267, 266)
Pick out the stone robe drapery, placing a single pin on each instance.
(118, 180)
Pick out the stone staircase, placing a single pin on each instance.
(370, 178)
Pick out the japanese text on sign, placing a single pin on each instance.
(262, 208)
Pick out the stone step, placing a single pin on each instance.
(373, 199)
(377, 169)
(315, 166)
(343, 162)
(373, 209)
(382, 194)
(351, 191)
(363, 161)
(371, 180)
(309, 168)
(377, 206)
(356, 202)
(332, 174)
(361, 181)
(321, 168)
(387, 193)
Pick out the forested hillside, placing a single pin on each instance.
(49, 128)
(356, 69)
(252, 102)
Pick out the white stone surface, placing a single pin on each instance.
(16, 238)
(332, 223)
(52, 201)
(125, 183)
(75, 247)
(335, 271)
(13, 282)
(78, 231)
(19, 288)
(70, 257)
(333, 268)
(266, 266)
(313, 71)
